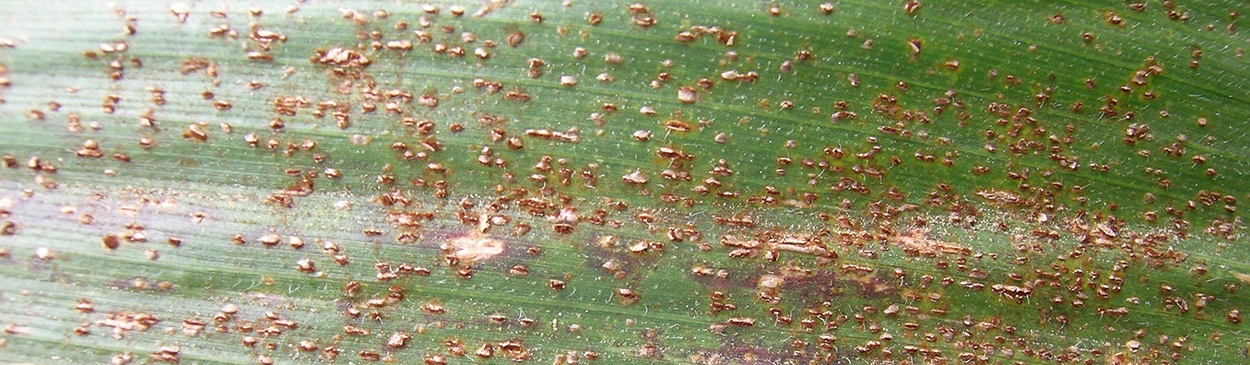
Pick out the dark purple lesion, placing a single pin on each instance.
(748, 350)
(817, 285)
(632, 266)
(874, 287)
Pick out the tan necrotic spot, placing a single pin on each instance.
(473, 248)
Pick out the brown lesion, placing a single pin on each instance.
(918, 241)
(123, 322)
(796, 242)
(777, 241)
(405, 219)
(999, 198)
(301, 187)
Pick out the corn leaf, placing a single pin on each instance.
(616, 182)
